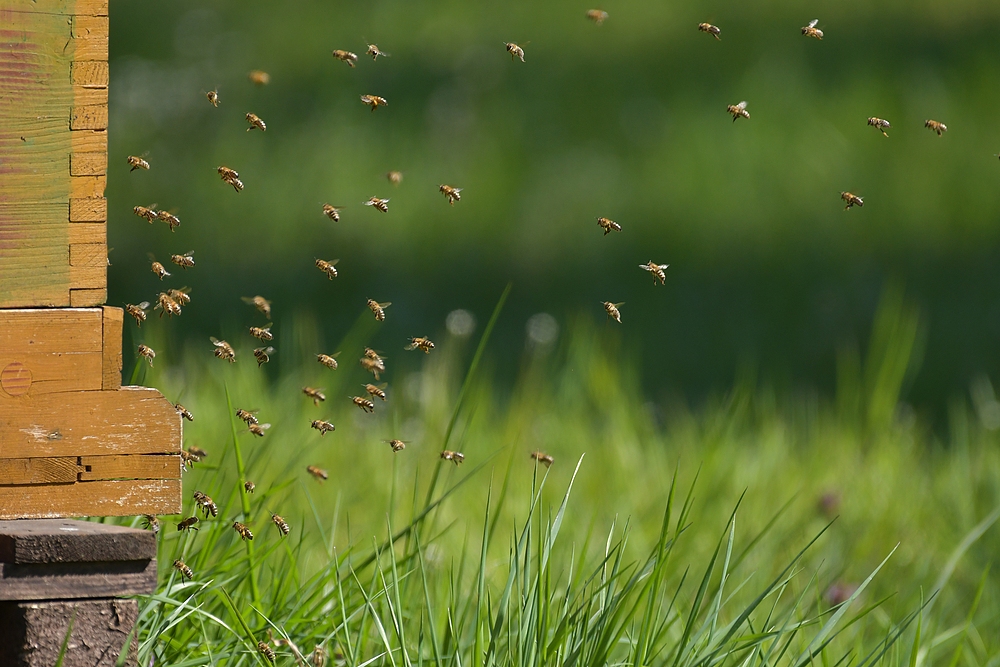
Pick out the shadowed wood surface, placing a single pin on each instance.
(70, 541)
(76, 580)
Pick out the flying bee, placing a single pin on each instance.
(328, 267)
(421, 343)
(263, 355)
(256, 123)
(318, 473)
(739, 111)
(188, 459)
(185, 261)
(181, 295)
(659, 271)
(182, 567)
(236, 183)
(375, 52)
(280, 522)
(453, 194)
(258, 429)
(323, 427)
(172, 220)
(319, 656)
(332, 212)
(936, 126)
(138, 312)
(328, 360)
(148, 213)
(363, 403)
(150, 522)
(259, 78)
(397, 445)
(380, 204)
(206, 503)
(159, 270)
(263, 333)
(543, 458)
(188, 524)
(223, 350)
(597, 16)
(811, 30)
(376, 391)
(260, 303)
(147, 353)
(166, 304)
(612, 310)
(231, 177)
(378, 309)
(249, 486)
(394, 177)
(345, 57)
(266, 650)
(213, 97)
(710, 29)
(879, 124)
(851, 199)
(374, 101)
(197, 451)
(248, 416)
(137, 162)
(514, 50)
(316, 395)
(372, 362)
(243, 531)
(608, 225)
(183, 412)
(456, 457)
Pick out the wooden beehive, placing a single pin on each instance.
(73, 441)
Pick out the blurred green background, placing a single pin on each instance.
(625, 120)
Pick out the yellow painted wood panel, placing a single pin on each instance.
(89, 117)
(88, 277)
(88, 254)
(88, 232)
(85, 187)
(84, 96)
(62, 470)
(137, 466)
(88, 164)
(114, 320)
(34, 254)
(104, 498)
(88, 209)
(90, 74)
(81, 298)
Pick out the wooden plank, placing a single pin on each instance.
(89, 27)
(133, 420)
(46, 542)
(34, 254)
(67, 581)
(114, 319)
(88, 209)
(104, 498)
(82, 298)
(90, 74)
(89, 141)
(88, 277)
(89, 117)
(56, 373)
(88, 232)
(63, 470)
(88, 254)
(83, 96)
(91, 7)
(139, 466)
(88, 164)
(51, 331)
(85, 187)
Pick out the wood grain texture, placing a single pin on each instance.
(104, 498)
(88, 254)
(85, 187)
(63, 470)
(88, 277)
(68, 581)
(139, 466)
(89, 141)
(90, 74)
(83, 298)
(88, 209)
(89, 117)
(111, 372)
(62, 349)
(84, 232)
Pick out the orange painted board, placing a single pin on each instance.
(62, 470)
(103, 498)
(138, 466)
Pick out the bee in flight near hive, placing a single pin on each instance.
(316, 395)
(260, 303)
(395, 177)
(266, 650)
(332, 212)
(182, 567)
(811, 30)
(455, 457)
(658, 271)
(259, 77)
(421, 343)
(262, 333)
(280, 522)
(213, 97)
(188, 459)
(232, 177)
(374, 52)
(137, 162)
(248, 416)
(879, 124)
(181, 296)
(328, 267)
(147, 353)
(206, 503)
(378, 309)
(597, 16)
(150, 522)
(397, 445)
(323, 427)
(608, 225)
(374, 101)
(328, 360)
(183, 412)
(851, 199)
(380, 204)
(256, 123)
(172, 220)
(249, 486)
(185, 261)
(223, 350)
(376, 391)
(936, 126)
(363, 403)
(453, 194)
(318, 473)
(612, 310)
(514, 50)
(243, 531)
(149, 213)
(197, 451)
(263, 355)
(542, 457)
(739, 110)
(258, 429)
(188, 524)
(165, 304)
(710, 29)
(372, 362)
(137, 311)
(345, 57)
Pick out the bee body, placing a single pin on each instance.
(395, 177)
(374, 101)
(159, 270)
(243, 531)
(328, 360)
(453, 194)
(936, 126)
(397, 445)
(150, 522)
(608, 225)
(323, 427)
(332, 212)
(148, 213)
(258, 429)
(260, 303)
(372, 362)
(280, 523)
(812, 31)
(172, 220)
(375, 391)
(346, 57)
(262, 333)
(188, 524)
(879, 124)
(318, 473)
(455, 457)
(612, 310)
(213, 98)
(263, 355)
(185, 261)
(738, 111)
(256, 123)
(223, 350)
(181, 295)
(375, 52)
(852, 200)
(597, 16)
(197, 452)
(710, 29)
(363, 403)
(378, 309)
(249, 486)
(137, 163)
(514, 50)
(206, 504)
(659, 271)
(147, 353)
(189, 459)
(421, 343)
(182, 567)
(259, 77)
(247, 416)
(316, 395)
(266, 650)
(380, 204)
(184, 412)
(231, 177)
(543, 458)
(137, 311)
(328, 267)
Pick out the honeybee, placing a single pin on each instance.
(851, 199)
(181, 295)
(159, 270)
(147, 353)
(249, 486)
(323, 427)
(137, 163)
(256, 123)
(378, 309)
(374, 101)
(319, 656)
(182, 567)
(249, 416)
(183, 412)
(612, 310)
(514, 50)
(316, 395)
(597, 16)
(197, 451)
(346, 57)
(213, 97)
(263, 333)
(206, 503)
(453, 194)
(332, 212)
(363, 403)
(188, 524)
(936, 126)
(260, 303)
(395, 177)
(318, 473)
(329, 268)
(138, 312)
(658, 271)
(262, 646)
(223, 350)
(739, 110)
(608, 225)
(328, 360)
(148, 213)
(150, 522)
(172, 220)
(280, 522)
(232, 177)
(710, 29)
(879, 124)
(185, 261)
(374, 52)
(244, 533)
(542, 457)
(259, 77)
(263, 355)
(376, 391)
(258, 429)
(456, 457)
(380, 204)
(167, 305)
(188, 459)
(397, 445)
(373, 363)
(811, 30)
(421, 343)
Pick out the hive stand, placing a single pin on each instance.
(73, 441)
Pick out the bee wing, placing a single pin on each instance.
(151, 256)
(335, 354)
(264, 427)
(143, 305)
(384, 201)
(247, 300)
(385, 305)
(619, 305)
(269, 350)
(664, 266)
(411, 346)
(812, 24)
(333, 262)
(216, 342)
(645, 267)
(742, 105)
(189, 253)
